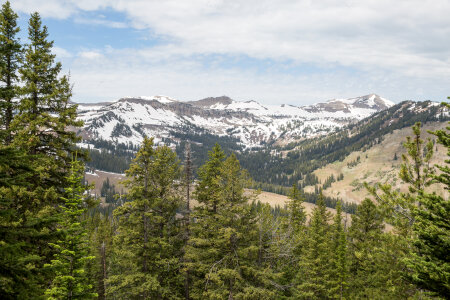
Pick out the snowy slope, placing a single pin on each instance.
(129, 119)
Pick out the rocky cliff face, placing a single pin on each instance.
(253, 124)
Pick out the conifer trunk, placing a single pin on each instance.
(9, 116)
(188, 215)
(104, 275)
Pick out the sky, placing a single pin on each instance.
(279, 51)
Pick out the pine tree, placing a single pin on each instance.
(429, 260)
(314, 267)
(45, 112)
(404, 209)
(209, 175)
(296, 209)
(71, 254)
(148, 245)
(339, 264)
(19, 275)
(290, 239)
(41, 142)
(10, 55)
(207, 193)
(365, 233)
(223, 251)
(100, 231)
(187, 218)
(375, 257)
(267, 229)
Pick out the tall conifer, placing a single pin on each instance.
(69, 261)
(187, 219)
(339, 263)
(366, 247)
(313, 275)
(19, 265)
(42, 140)
(223, 249)
(297, 215)
(10, 54)
(209, 175)
(406, 212)
(100, 228)
(148, 244)
(429, 261)
(45, 114)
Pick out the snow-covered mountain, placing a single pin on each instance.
(129, 119)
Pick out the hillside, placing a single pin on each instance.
(293, 163)
(374, 165)
(280, 200)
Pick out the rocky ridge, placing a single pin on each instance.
(128, 119)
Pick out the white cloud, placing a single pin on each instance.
(382, 33)
(61, 52)
(58, 9)
(90, 55)
(405, 42)
(130, 72)
(100, 21)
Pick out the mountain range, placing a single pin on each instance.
(252, 124)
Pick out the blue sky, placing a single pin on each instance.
(285, 51)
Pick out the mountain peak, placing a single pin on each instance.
(210, 101)
(159, 98)
(372, 101)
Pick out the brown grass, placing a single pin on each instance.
(377, 166)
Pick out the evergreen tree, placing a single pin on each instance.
(267, 229)
(100, 230)
(290, 239)
(429, 260)
(19, 274)
(405, 209)
(45, 112)
(10, 55)
(207, 192)
(313, 278)
(223, 251)
(40, 140)
(339, 264)
(376, 257)
(108, 191)
(296, 209)
(148, 245)
(71, 254)
(365, 234)
(187, 217)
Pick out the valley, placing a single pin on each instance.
(353, 151)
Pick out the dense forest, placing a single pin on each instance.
(168, 238)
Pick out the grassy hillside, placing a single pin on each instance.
(376, 164)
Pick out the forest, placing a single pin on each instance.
(174, 235)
